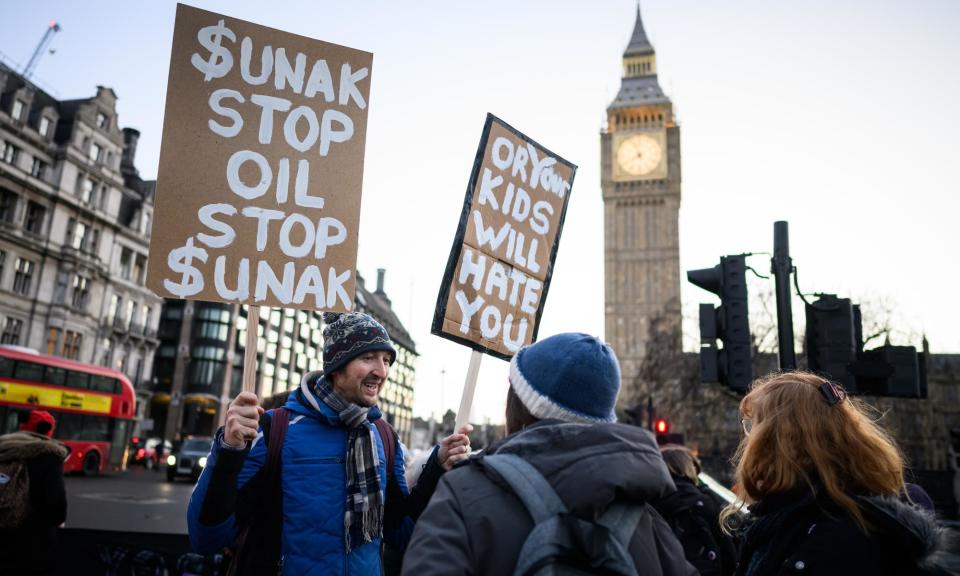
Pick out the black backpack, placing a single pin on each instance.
(700, 547)
(561, 543)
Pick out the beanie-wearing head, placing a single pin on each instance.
(350, 335)
(41, 422)
(573, 377)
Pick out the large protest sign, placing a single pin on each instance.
(261, 166)
(499, 270)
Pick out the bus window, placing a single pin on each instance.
(119, 440)
(55, 376)
(78, 379)
(96, 429)
(69, 426)
(104, 384)
(6, 367)
(30, 371)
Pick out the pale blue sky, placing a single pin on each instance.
(840, 117)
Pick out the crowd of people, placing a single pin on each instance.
(319, 484)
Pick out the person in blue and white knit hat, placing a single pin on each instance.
(560, 419)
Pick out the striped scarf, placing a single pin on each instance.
(363, 520)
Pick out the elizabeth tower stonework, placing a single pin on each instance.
(640, 179)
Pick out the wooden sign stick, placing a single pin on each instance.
(466, 400)
(250, 350)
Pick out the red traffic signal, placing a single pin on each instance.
(661, 426)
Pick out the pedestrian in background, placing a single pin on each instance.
(694, 514)
(33, 499)
(823, 483)
(330, 501)
(564, 443)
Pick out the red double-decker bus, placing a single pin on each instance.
(94, 406)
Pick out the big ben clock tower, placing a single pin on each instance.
(640, 179)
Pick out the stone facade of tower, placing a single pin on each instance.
(640, 179)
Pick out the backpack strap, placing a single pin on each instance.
(389, 438)
(279, 421)
(528, 484)
(622, 519)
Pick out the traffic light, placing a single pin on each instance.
(897, 371)
(834, 346)
(731, 364)
(833, 339)
(661, 428)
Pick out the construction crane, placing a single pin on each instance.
(52, 29)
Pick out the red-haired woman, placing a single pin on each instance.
(822, 481)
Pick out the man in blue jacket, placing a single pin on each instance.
(335, 500)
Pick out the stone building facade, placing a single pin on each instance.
(74, 232)
(199, 364)
(640, 180)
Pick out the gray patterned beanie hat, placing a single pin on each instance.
(349, 335)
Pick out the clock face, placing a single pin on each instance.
(639, 155)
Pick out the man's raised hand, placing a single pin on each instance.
(243, 420)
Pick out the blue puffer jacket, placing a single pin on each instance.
(314, 492)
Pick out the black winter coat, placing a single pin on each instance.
(475, 526)
(30, 548)
(701, 504)
(797, 533)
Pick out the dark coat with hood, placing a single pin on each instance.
(29, 549)
(475, 525)
(799, 533)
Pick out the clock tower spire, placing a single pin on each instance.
(640, 180)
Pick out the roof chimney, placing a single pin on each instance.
(130, 138)
(381, 272)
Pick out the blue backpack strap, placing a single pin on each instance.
(528, 484)
(621, 519)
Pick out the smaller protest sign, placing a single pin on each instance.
(501, 263)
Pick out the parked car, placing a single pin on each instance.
(149, 452)
(189, 459)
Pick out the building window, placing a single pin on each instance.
(95, 152)
(107, 347)
(81, 292)
(18, 107)
(206, 366)
(35, 214)
(71, 344)
(93, 238)
(139, 265)
(126, 256)
(11, 331)
(38, 169)
(115, 306)
(60, 288)
(86, 190)
(102, 120)
(128, 316)
(8, 152)
(3, 262)
(23, 276)
(8, 205)
(76, 234)
(44, 128)
(53, 336)
(213, 323)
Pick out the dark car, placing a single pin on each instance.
(189, 459)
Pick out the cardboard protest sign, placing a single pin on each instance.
(501, 263)
(261, 166)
